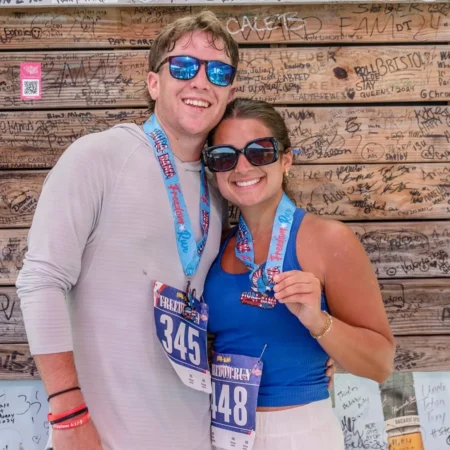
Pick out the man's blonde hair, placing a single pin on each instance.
(205, 21)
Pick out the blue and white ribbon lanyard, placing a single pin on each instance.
(263, 275)
(189, 250)
(180, 318)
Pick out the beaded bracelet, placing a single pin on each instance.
(326, 328)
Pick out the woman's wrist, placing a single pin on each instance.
(321, 326)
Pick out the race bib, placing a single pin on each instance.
(235, 386)
(181, 329)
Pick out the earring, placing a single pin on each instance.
(286, 173)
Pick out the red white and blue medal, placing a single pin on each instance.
(261, 276)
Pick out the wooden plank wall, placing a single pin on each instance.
(364, 89)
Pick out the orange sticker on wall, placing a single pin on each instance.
(412, 441)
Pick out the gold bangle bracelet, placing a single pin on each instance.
(326, 328)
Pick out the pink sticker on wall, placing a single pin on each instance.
(30, 81)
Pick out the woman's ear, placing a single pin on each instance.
(287, 159)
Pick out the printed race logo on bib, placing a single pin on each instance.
(235, 386)
(181, 330)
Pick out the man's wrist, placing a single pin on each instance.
(66, 402)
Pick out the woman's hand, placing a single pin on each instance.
(301, 293)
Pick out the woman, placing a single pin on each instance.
(295, 284)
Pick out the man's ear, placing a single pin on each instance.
(153, 85)
(232, 94)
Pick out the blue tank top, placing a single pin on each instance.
(294, 362)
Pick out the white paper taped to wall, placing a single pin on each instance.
(23, 415)
(358, 407)
(433, 403)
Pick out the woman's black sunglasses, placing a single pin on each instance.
(184, 67)
(259, 152)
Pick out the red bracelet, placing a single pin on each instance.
(51, 417)
(81, 412)
(72, 424)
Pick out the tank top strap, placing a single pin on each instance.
(291, 261)
(298, 219)
(299, 215)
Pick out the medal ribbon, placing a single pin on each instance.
(189, 250)
(262, 276)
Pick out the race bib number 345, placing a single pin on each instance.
(235, 386)
(181, 330)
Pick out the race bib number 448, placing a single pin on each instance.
(235, 386)
(181, 330)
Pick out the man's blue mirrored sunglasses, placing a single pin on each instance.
(184, 67)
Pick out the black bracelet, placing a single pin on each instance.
(70, 416)
(76, 388)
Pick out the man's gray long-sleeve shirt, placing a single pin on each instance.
(102, 231)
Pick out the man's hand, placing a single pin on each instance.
(84, 437)
(330, 371)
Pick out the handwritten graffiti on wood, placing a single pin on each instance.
(85, 27)
(369, 134)
(19, 194)
(294, 75)
(16, 363)
(36, 139)
(422, 353)
(417, 306)
(381, 191)
(406, 249)
(336, 23)
(12, 328)
(13, 246)
(137, 27)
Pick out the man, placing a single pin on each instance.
(103, 231)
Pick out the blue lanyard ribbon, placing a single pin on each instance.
(189, 250)
(262, 276)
